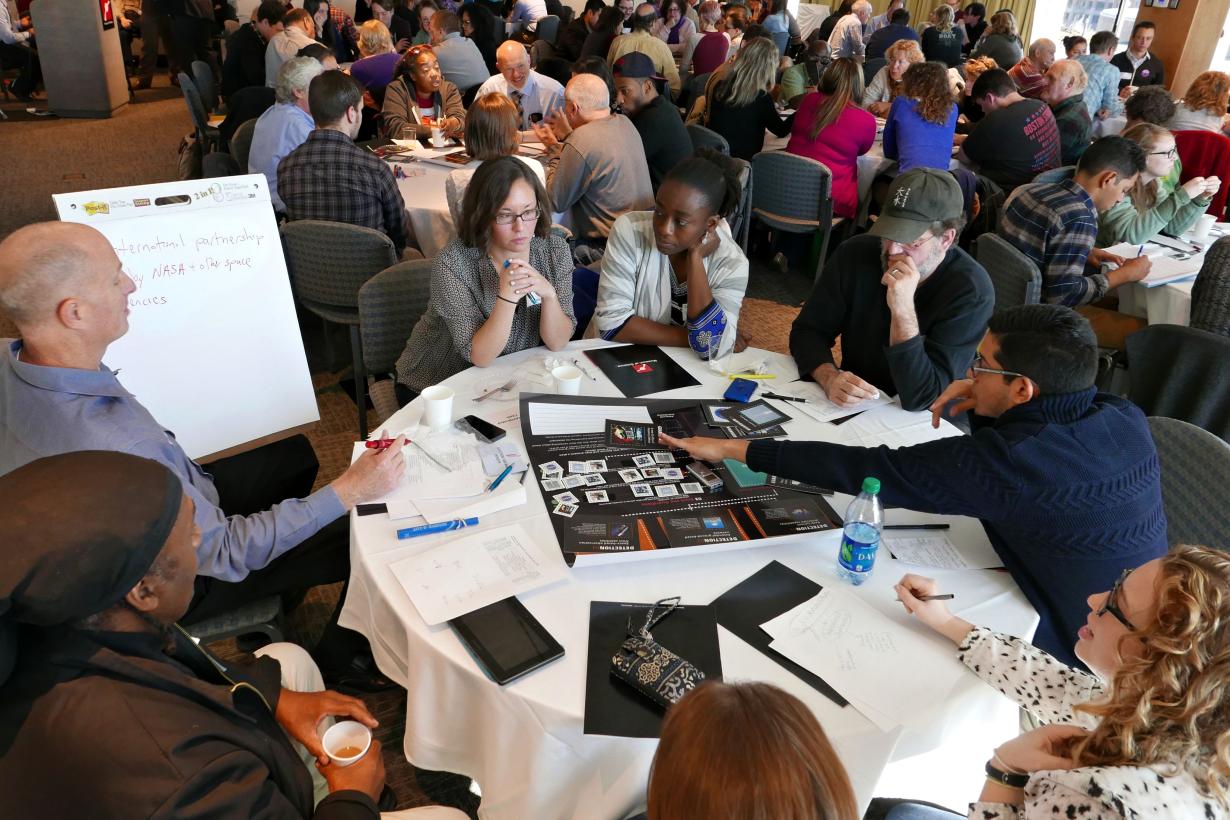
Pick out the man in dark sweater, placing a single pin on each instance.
(898, 28)
(245, 49)
(658, 122)
(1065, 479)
(1137, 66)
(571, 39)
(909, 305)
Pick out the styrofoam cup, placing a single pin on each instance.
(567, 380)
(1203, 225)
(346, 734)
(438, 406)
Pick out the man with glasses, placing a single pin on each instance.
(1065, 479)
(908, 304)
(535, 95)
(1055, 224)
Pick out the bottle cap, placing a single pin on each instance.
(871, 486)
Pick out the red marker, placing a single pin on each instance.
(382, 443)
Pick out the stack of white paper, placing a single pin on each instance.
(1164, 269)
(473, 571)
(891, 674)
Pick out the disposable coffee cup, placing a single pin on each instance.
(437, 137)
(346, 742)
(438, 406)
(1203, 225)
(567, 380)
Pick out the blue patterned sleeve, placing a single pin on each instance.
(705, 331)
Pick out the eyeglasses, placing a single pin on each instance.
(1111, 604)
(977, 367)
(505, 218)
(1172, 153)
(917, 243)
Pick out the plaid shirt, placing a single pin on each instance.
(345, 26)
(329, 177)
(1055, 225)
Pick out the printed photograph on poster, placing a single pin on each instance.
(631, 434)
(108, 14)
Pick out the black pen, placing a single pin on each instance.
(783, 398)
(945, 597)
(916, 526)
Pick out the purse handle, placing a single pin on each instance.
(671, 605)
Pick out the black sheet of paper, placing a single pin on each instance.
(638, 370)
(612, 707)
(774, 589)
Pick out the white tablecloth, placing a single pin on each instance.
(1167, 304)
(524, 744)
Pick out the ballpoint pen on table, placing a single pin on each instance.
(491, 487)
(917, 526)
(783, 398)
(733, 376)
(443, 526)
(588, 375)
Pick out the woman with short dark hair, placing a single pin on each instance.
(479, 24)
(478, 310)
(419, 97)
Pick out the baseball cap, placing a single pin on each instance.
(916, 199)
(636, 65)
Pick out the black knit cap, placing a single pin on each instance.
(78, 530)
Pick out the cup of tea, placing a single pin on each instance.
(346, 742)
(567, 380)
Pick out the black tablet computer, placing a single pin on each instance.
(506, 640)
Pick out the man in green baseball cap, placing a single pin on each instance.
(909, 305)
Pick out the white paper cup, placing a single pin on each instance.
(348, 735)
(438, 406)
(437, 137)
(1203, 225)
(567, 380)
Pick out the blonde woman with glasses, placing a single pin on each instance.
(1147, 734)
(739, 106)
(1155, 204)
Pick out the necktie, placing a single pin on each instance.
(516, 96)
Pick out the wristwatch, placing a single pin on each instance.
(1012, 780)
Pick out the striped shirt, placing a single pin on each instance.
(1055, 225)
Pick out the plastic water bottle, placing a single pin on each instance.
(860, 539)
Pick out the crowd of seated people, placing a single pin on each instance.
(1066, 474)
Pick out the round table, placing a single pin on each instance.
(523, 743)
(426, 201)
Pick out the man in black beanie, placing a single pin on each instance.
(107, 708)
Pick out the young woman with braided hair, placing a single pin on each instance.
(676, 276)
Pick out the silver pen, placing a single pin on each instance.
(588, 375)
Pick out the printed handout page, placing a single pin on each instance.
(473, 571)
(425, 479)
(817, 404)
(893, 675)
(937, 552)
(561, 419)
(1166, 267)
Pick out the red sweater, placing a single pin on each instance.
(838, 146)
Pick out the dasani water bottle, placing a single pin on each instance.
(860, 539)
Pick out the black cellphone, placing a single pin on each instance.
(482, 428)
(506, 640)
(535, 117)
